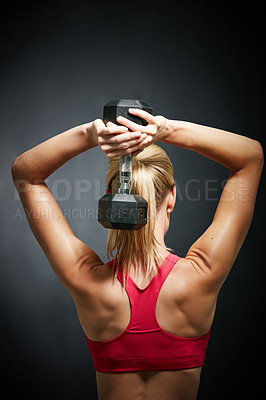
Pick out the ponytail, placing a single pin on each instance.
(152, 178)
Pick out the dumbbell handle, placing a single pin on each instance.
(111, 111)
(125, 171)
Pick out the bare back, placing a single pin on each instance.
(181, 310)
(149, 385)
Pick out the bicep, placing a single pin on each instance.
(64, 251)
(217, 248)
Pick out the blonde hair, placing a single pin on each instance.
(152, 178)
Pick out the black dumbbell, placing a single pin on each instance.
(123, 210)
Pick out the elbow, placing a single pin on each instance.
(259, 155)
(16, 169)
(256, 155)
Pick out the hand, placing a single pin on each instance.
(117, 141)
(155, 128)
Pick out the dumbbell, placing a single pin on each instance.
(123, 210)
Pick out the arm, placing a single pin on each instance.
(217, 248)
(215, 251)
(65, 252)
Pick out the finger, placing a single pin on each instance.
(131, 125)
(99, 124)
(135, 148)
(131, 141)
(109, 123)
(112, 125)
(120, 153)
(142, 114)
(115, 129)
(129, 136)
(122, 137)
(126, 145)
(131, 144)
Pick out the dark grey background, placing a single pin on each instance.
(60, 63)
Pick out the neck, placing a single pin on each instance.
(159, 233)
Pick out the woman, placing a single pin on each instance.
(147, 330)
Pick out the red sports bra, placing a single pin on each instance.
(144, 345)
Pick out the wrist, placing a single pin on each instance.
(90, 135)
(170, 130)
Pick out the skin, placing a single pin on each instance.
(187, 300)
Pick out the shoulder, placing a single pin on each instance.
(98, 296)
(191, 276)
(183, 267)
(192, 293)
(96, 279)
